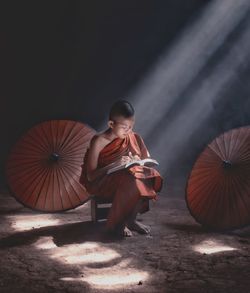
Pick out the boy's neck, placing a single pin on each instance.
(110, 135)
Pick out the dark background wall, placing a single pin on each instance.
(72, 59)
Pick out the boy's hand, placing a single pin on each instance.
(133, 158)
(125, 160)
(122, 161)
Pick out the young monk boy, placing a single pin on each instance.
(129, 189)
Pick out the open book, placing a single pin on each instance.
(146, 162)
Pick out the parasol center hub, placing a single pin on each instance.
(54, 157)
(227, 164)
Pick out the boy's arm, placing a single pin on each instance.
(92, 171)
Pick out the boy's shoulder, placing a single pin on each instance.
(99, 140)
(98, 137)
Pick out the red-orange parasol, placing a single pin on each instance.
(44, 167)
(218, 189)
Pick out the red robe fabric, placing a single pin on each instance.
(124, 187)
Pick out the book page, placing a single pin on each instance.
(147, 161)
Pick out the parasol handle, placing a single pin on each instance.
(54, 157)
(227, 164)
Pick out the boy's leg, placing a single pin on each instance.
(133, 224)
(128, 201)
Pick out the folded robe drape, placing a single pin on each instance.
(124, 187)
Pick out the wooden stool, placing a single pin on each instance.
(99, 208)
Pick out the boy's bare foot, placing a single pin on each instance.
(127, 232)
(123, 231)
(139, 227)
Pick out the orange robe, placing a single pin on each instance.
(124, 187)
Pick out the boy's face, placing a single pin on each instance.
(121, 126)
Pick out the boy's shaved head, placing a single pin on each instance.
(121, 108)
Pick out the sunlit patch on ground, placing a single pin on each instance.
(45, 243)
(86, 253)
(122, 279)
(114, 271)
(212, 246)
(121, 275)
(28, 222)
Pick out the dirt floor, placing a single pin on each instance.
(66, 252)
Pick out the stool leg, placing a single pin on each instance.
(93, 210)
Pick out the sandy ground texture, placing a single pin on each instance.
(66, 252)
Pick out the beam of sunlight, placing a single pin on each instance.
(176, 69)
(200, 105)
(28, 222)
(212, 246)
(85, 253)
